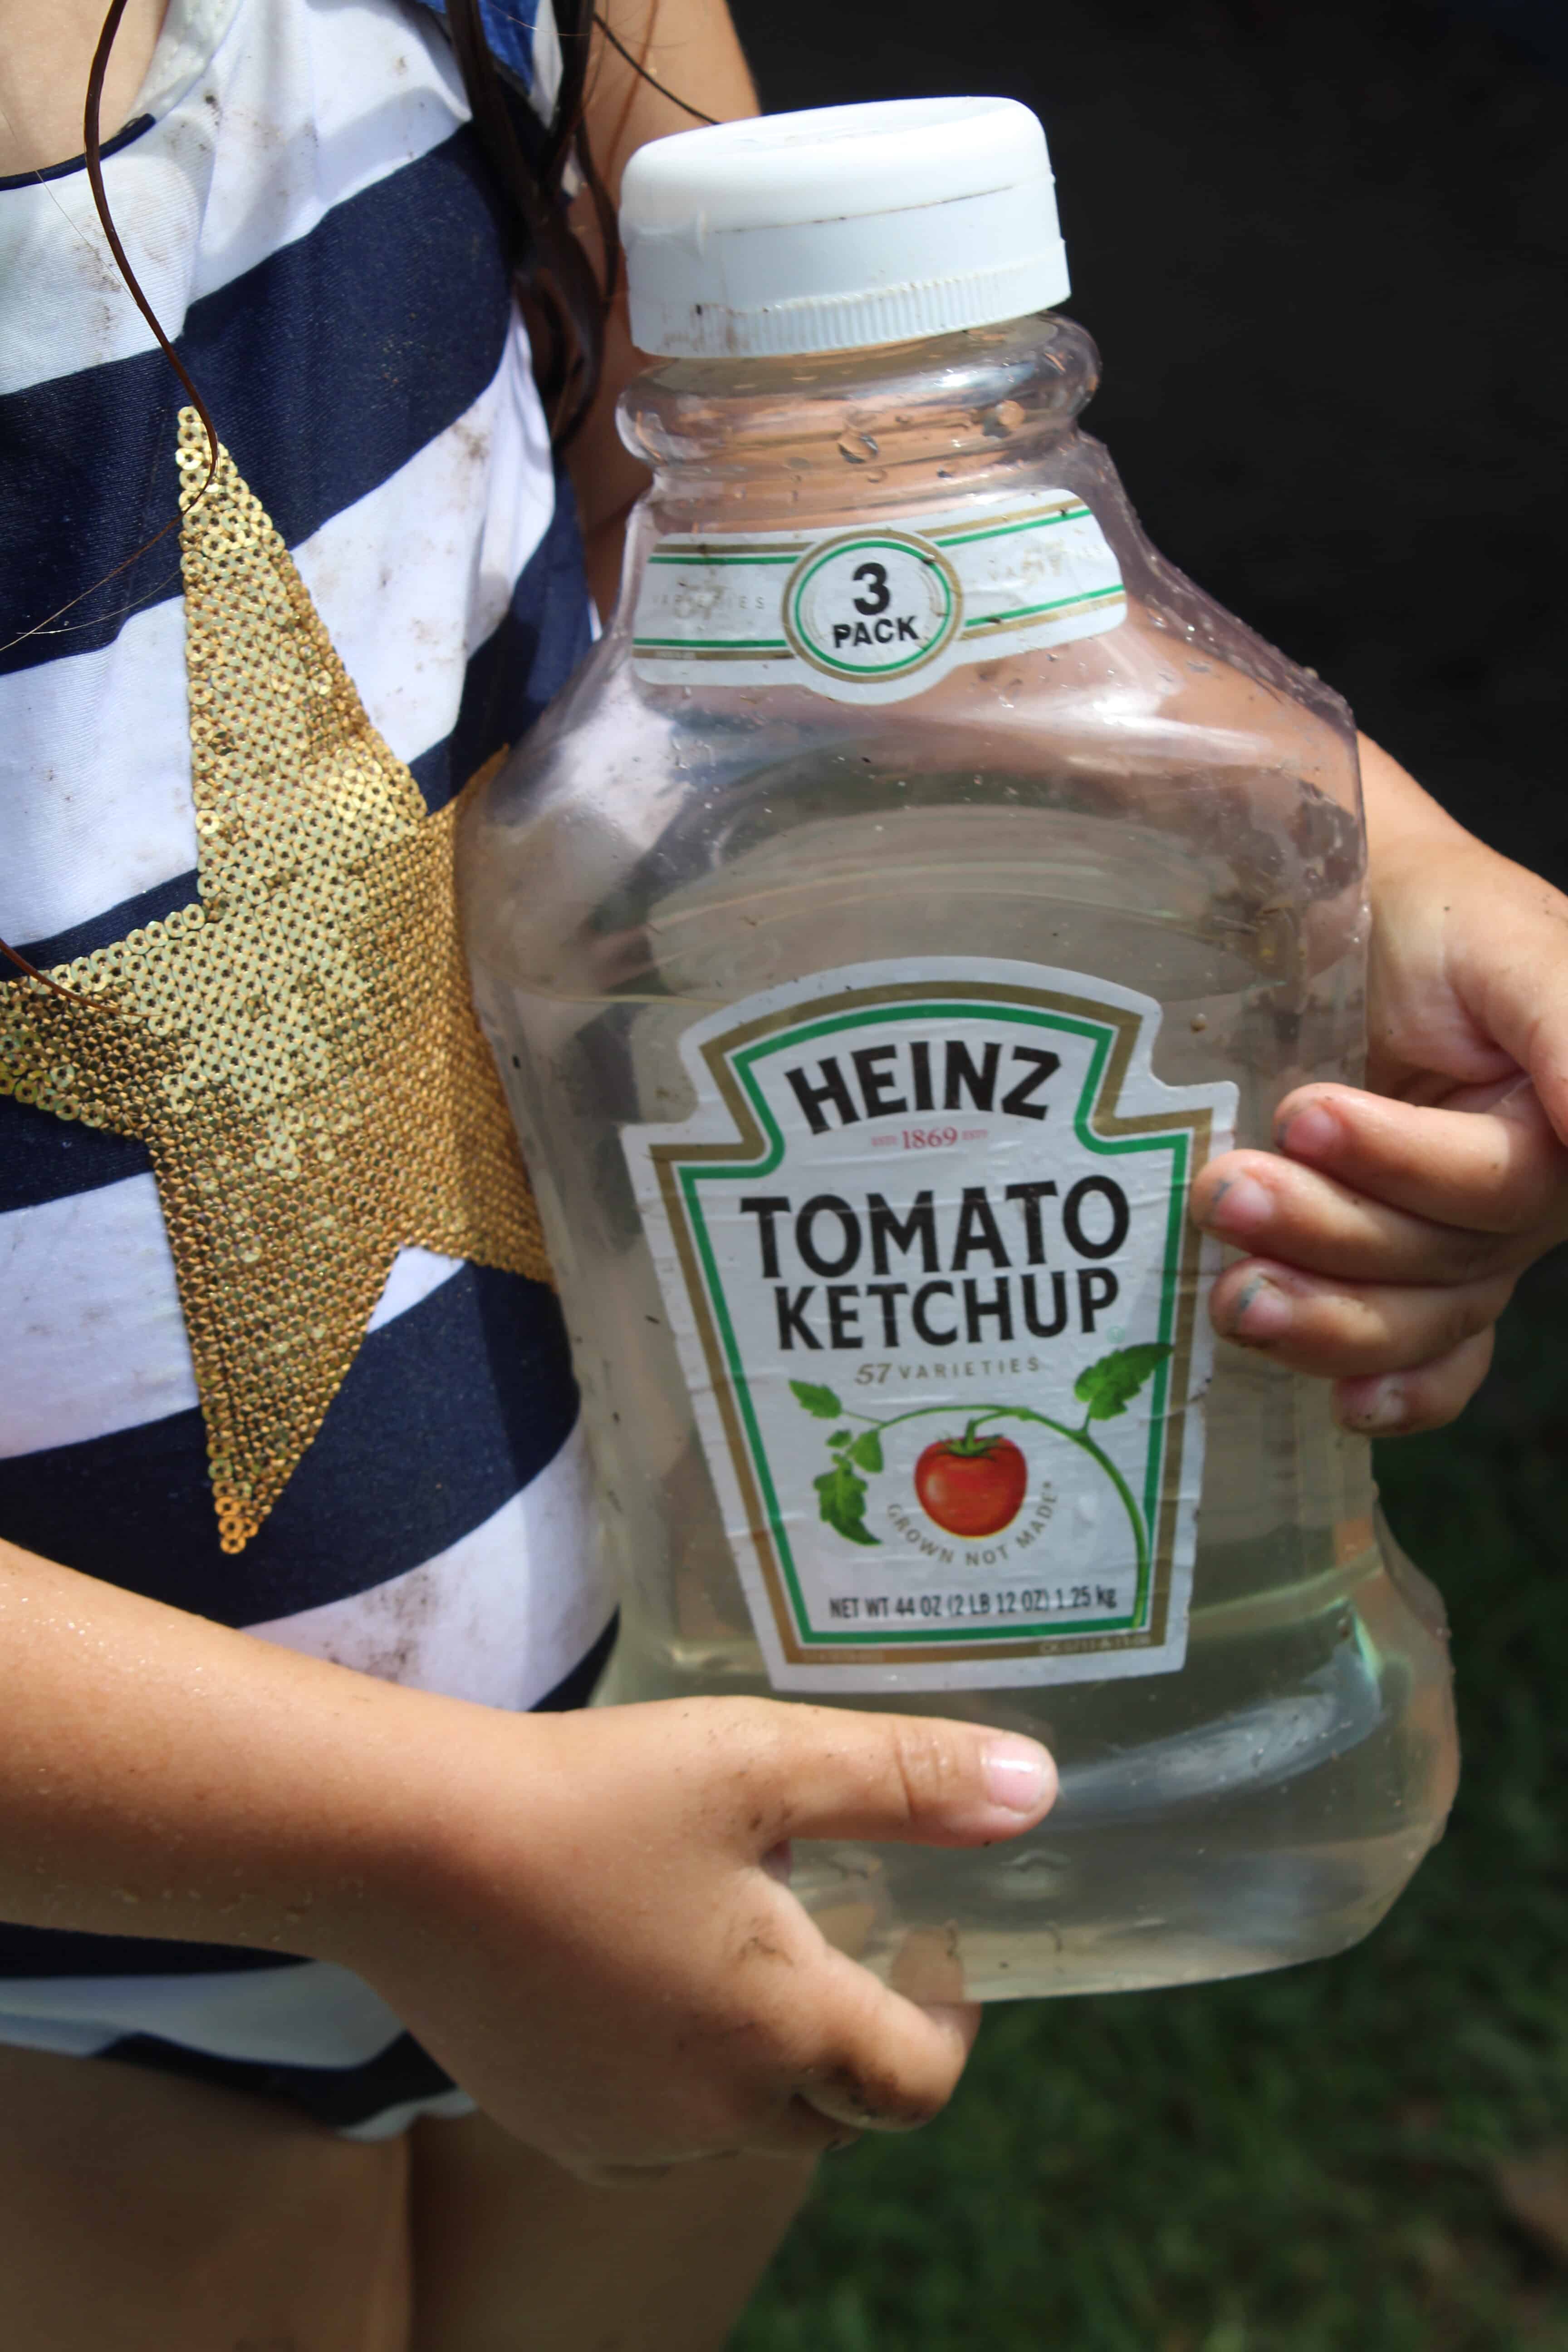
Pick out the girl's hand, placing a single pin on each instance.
(592, 1934)
(1386, 1231)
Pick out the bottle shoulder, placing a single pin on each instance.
(1179, 692)
(1165, 665)
(1164, 722)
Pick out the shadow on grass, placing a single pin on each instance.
(1294, 2163)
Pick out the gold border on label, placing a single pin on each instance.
(648, 652)
(1103, 1121)
(712, 546)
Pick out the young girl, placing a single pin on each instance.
(406, 1960)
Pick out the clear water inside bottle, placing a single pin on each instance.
(1266, 1803)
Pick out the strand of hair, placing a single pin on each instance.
(15, 955)
(559, 271)
(92, 153)
(637, 67)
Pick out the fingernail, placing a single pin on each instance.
(1262, 1312)
(1312, 1134)
(1242, 1206)
(1374, 1406)
(1017, 1774)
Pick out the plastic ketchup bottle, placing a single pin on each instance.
(920, 880)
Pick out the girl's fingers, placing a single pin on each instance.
(1395, 1404)
(1349, 1330)
(1501, 1170)
(886, 2063)
(830, 1772)
(1263, 1202)
(1384, 1241)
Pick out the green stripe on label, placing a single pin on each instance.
(702, 558)
(1033, 611)
(710, 644)
(1006, 529)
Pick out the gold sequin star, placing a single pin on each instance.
(297, 1050)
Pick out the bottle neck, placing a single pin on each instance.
(767, 443)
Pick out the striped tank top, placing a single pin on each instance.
(305, 200)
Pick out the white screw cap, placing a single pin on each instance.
(844, 226)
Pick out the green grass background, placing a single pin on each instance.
(1292, 2163)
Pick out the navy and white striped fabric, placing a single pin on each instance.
(305, 202)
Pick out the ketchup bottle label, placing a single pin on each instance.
(925, 1252)
(878, 613)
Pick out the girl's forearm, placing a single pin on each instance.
(164, 1776)
(1399, 815)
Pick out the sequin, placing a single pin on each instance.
(299, 1049)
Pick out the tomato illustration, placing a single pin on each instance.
(973, 1485)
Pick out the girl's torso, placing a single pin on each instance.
(306, 206)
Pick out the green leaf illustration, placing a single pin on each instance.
(867, 1449)
(1108, 1387)
(820, 1403)
(842, 1497)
